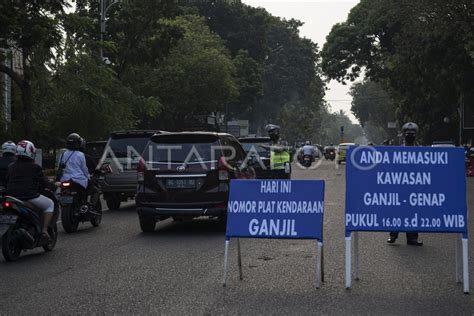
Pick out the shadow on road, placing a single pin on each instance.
(196, 227)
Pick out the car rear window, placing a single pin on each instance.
(178, 149)
(121, 145)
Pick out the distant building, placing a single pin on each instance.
(12, 59)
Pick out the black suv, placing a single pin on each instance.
(122, 153)
(252, 146)
(186, 175)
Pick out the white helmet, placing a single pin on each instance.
(26, 149)
(8, 147)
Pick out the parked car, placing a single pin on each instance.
(341, 152)
(446, 143)
(188, 175)
(252, 144)
(122, 153)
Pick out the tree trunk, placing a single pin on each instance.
(27, 109)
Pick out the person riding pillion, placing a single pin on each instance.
(409, 131)
(8, 157)
(26, 181)
(279, 154)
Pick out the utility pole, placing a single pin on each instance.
(104, 8)
(461, 117)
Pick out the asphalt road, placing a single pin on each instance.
(116, 269)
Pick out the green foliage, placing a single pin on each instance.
(198, 75)
(31, 29)
(374, 108)
(90, 100)
(420, 51)
(331, 133)
(169, 61)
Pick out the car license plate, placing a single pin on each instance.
(67, 199)
(306, 158)
(181, 183)
(8, 219)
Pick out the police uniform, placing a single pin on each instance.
(279, 161)
(409, 129)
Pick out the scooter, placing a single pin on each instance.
(21, 226)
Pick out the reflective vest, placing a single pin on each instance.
(278, 160)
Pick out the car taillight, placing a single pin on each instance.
(223, 170)
(141, 170)
(6, 204)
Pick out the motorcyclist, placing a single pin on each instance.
(308, 150)
(8, 157)
(73, 166)
(279, 154)
(409, 131)
(25, 181)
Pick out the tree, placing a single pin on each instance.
(248, 77)
(418, 50)
(197, 77)
(286, 64)
(86, 97)
(32, 29)
(374, 108)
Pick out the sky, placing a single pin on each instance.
(318, 16)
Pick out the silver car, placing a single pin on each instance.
(123, 152)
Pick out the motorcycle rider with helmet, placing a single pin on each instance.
(73, 164)
(8, 157)
(409, 131)
(308, 150)
(25, 181)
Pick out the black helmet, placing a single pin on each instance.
(74, 141)
(409, 128)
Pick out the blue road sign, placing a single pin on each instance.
(420, 189)
(283, 209)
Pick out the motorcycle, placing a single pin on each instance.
(21, 226)
(332, 155)
(307, 160)
(75, 207)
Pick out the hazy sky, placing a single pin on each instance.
(318, 16)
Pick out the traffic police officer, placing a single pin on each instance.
(409, 131)
(279, 154)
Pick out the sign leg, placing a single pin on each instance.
(322, 262)
(226, 253)
(319, 254)
(239, 259)
(348, 263)
(465, 265)
(458, 254)
(356, 256)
